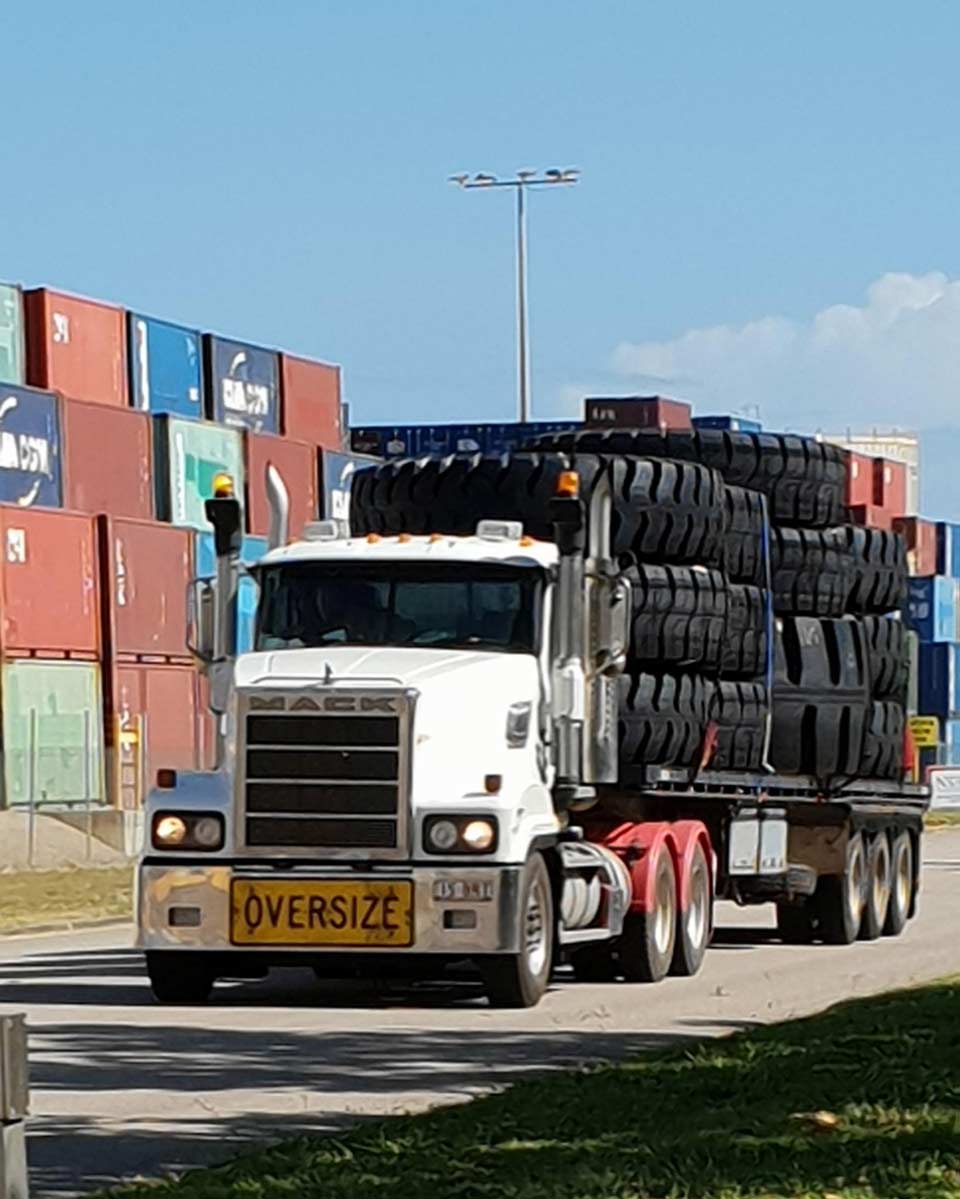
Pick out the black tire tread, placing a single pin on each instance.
(663, 720)
(679, 616)
(745, 640)
(739, 713)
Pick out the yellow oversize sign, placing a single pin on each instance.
(323, 913)
(926, 731)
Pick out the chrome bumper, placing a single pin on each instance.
(206, 890)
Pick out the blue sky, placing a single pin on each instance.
(278, 173)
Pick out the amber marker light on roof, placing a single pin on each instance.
(222, 487)
(568, 485)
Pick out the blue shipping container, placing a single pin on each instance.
(948, 549)
(242, 385)
(932, 608)
(411, 441)
(166, 367)
(336, 478)
(252, 549)
(938, 680)
(732, 424)
(951, 748)
(29, 448)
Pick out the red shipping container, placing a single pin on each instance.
(144, 572)
(49, 591)
(640, 412)
(107, 459)
(206, 725)
(150, 722)
(76, 346)
(890, 485)
(859, 479)
(871, 516)
(921, 538)
(311, 401)
(298, 465)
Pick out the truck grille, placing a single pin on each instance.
(318, 780)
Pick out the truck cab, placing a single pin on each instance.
(393, 764)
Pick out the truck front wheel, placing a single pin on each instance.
(177, 977)
(518, 980)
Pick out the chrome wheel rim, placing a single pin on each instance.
(903, 881)
(535, 930)
(697, 911)
(663, 917)
(881, 881)
(855, 889)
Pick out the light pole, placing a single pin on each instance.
(520, 183)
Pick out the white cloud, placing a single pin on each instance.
(894, 361)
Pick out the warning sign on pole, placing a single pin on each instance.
(926, 731)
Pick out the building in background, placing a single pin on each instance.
(896, 445)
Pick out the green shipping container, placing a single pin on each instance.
(52, 733)
(11, 334)
(189, 454)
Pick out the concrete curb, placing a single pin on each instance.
(64, 926)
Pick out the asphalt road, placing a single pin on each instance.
(122, 1087)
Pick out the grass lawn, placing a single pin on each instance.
(862, 1102)
(47, 896)
(942, 819)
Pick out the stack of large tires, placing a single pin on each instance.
(717, 531)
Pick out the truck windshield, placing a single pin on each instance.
(454, 605)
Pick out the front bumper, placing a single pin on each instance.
(166, 891)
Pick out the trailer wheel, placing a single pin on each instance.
(796, 923)
(520, 980)
(877, 890)
(840, 899)
(179, 977)
(901, 885)
(648, 938)
(695, 922)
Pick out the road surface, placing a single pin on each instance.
(122, 1087)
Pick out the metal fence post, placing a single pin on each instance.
(14, 1107)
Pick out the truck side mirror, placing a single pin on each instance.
(201, 608)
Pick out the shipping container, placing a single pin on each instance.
(336, 479)
(638, 412)
(895, 446)
(310, 394)
(52, 733)
(730, 424)
(890, 485)
(30, 468)
(938, 680)
(107, 460)
(859, 489)
(166, 367)
(76, 346)
(913, 675)
(948, 549)
(297, 463)
(11, 334)
(188, 454)
(871, 516)
(145, 569)
(242, 385)
(150, 724)
(932, 608)
(921, 538)
(252, 549)
(411, 441)
(49, 590)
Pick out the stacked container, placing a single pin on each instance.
(413, 441)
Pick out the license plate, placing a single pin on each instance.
(313, 912)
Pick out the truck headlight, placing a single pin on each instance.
(460, 834)
(188, 830)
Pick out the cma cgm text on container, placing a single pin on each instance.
(243, 384)
(30, 467)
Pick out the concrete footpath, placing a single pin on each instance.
(122, 1087)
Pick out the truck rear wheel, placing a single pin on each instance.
(519, 980)
(840, 899)
(901, 885)
(695, 921)
(796, 923)
(178, 977)
(648, 938)
(877, 891)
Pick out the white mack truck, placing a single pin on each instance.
(418, 765)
